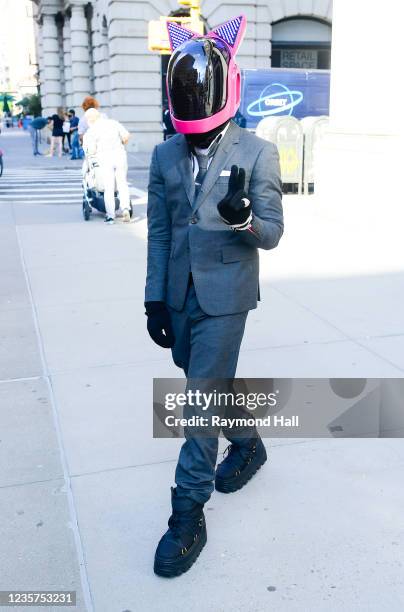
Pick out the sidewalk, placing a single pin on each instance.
(84, 489)
(139, 161)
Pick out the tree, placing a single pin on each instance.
(31, 105)
(6, 98)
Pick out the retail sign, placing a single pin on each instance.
(299, 58)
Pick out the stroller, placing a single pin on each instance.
(93, 189)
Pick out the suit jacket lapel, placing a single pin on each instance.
(185, 168)
(219, 161)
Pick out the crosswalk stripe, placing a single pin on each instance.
(19, 198)
(39, 174)
(73, 177)
(35, 172)
(15, 186)
(51, 202)
(28, 173)
(45, 190)
(32, 186)
(66, 179)
(53, 177)
(27, 181)
(47, 187)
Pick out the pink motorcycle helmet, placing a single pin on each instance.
(203, 79)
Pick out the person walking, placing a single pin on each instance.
(105, 139)
(214, 200)
(57, 132)
(88, 102)
(66, 134)
(74, 135)
(37, 124)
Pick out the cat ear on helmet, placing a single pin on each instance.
(178, 35)
(232, 31)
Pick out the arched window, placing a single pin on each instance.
(301, 42)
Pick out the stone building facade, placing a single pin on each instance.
(100, 48)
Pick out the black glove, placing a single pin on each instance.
(235, 208)
(159, 324)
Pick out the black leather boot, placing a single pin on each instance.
(181, 545)
(240, 464)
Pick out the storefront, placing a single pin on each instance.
(301, 43)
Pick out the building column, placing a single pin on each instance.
(263, 36)
(80, 65)
(51, 92)
(359, 161)
(38, 35)
(135, 73)
(105, 81)
(101, 63)
(67, 62)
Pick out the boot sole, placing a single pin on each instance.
(126, 216)
(171, 569)
(236, 483)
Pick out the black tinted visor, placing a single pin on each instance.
(197, 79)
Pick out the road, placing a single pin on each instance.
(84, 489)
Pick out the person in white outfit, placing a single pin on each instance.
(106, 140)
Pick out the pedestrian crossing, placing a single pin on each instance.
(41, 186)
(49, 186)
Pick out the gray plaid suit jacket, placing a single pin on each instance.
(186, 234)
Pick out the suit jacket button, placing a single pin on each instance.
(193, 220)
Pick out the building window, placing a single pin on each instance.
(301, 43)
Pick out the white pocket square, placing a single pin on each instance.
(225, 173)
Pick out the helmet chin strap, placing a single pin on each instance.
(203, 141)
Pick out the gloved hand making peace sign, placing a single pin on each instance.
(235, 208)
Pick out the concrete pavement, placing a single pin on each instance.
(85, 488)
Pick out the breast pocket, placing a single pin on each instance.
(222, 183)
